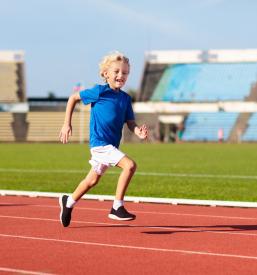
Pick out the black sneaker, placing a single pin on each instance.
(121, 214)
(65, 214)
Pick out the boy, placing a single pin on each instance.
(110, 109)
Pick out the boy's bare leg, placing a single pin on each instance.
(118, 212)
(86, 184)
(67, 202)
(128, 167)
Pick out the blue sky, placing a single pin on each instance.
(64, 40)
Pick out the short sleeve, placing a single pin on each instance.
(129, 113)
(90, 95)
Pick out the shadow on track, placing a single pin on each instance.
(172, 229)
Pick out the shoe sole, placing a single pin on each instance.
(113, 217)
(60, 203)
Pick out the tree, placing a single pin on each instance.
(51, 95)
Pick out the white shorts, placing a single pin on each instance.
(103, 157)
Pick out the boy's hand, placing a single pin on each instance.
(142, 132)
(65, 133)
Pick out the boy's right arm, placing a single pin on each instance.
(66, 130)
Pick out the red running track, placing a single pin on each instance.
(164, 239)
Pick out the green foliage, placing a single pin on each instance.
(197, 171)
(51, 95)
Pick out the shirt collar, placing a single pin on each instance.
(108, 88)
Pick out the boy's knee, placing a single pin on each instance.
(131, 166)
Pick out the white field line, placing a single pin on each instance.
(168, 228)
(21, 271)
(156, 249)
(157, 174)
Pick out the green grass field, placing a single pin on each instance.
(196, 171)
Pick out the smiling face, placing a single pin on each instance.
(116, 75)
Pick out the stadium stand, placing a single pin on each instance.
(41, 126)
(205, 126)
(12, 80)
(251, 131)
(194, 83)
(8, 83)
(206, 82)
(45, 126)
(152, 74)
(157, 62)
(6, 131)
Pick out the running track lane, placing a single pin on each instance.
(164, 239)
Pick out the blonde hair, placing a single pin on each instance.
(108, 59)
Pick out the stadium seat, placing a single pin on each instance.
(251, 132)
(205, 126)
(45, 126)
(207, 82)
(8, 83)
(6, 131)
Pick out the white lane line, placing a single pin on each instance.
(144, 212)
(21, 271)
(185, 229)
(157, 174)
(57, 220)
(179, 251)
(157, 213)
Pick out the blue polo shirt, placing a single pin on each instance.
(110, 109)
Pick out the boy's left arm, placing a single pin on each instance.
(141, 132)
